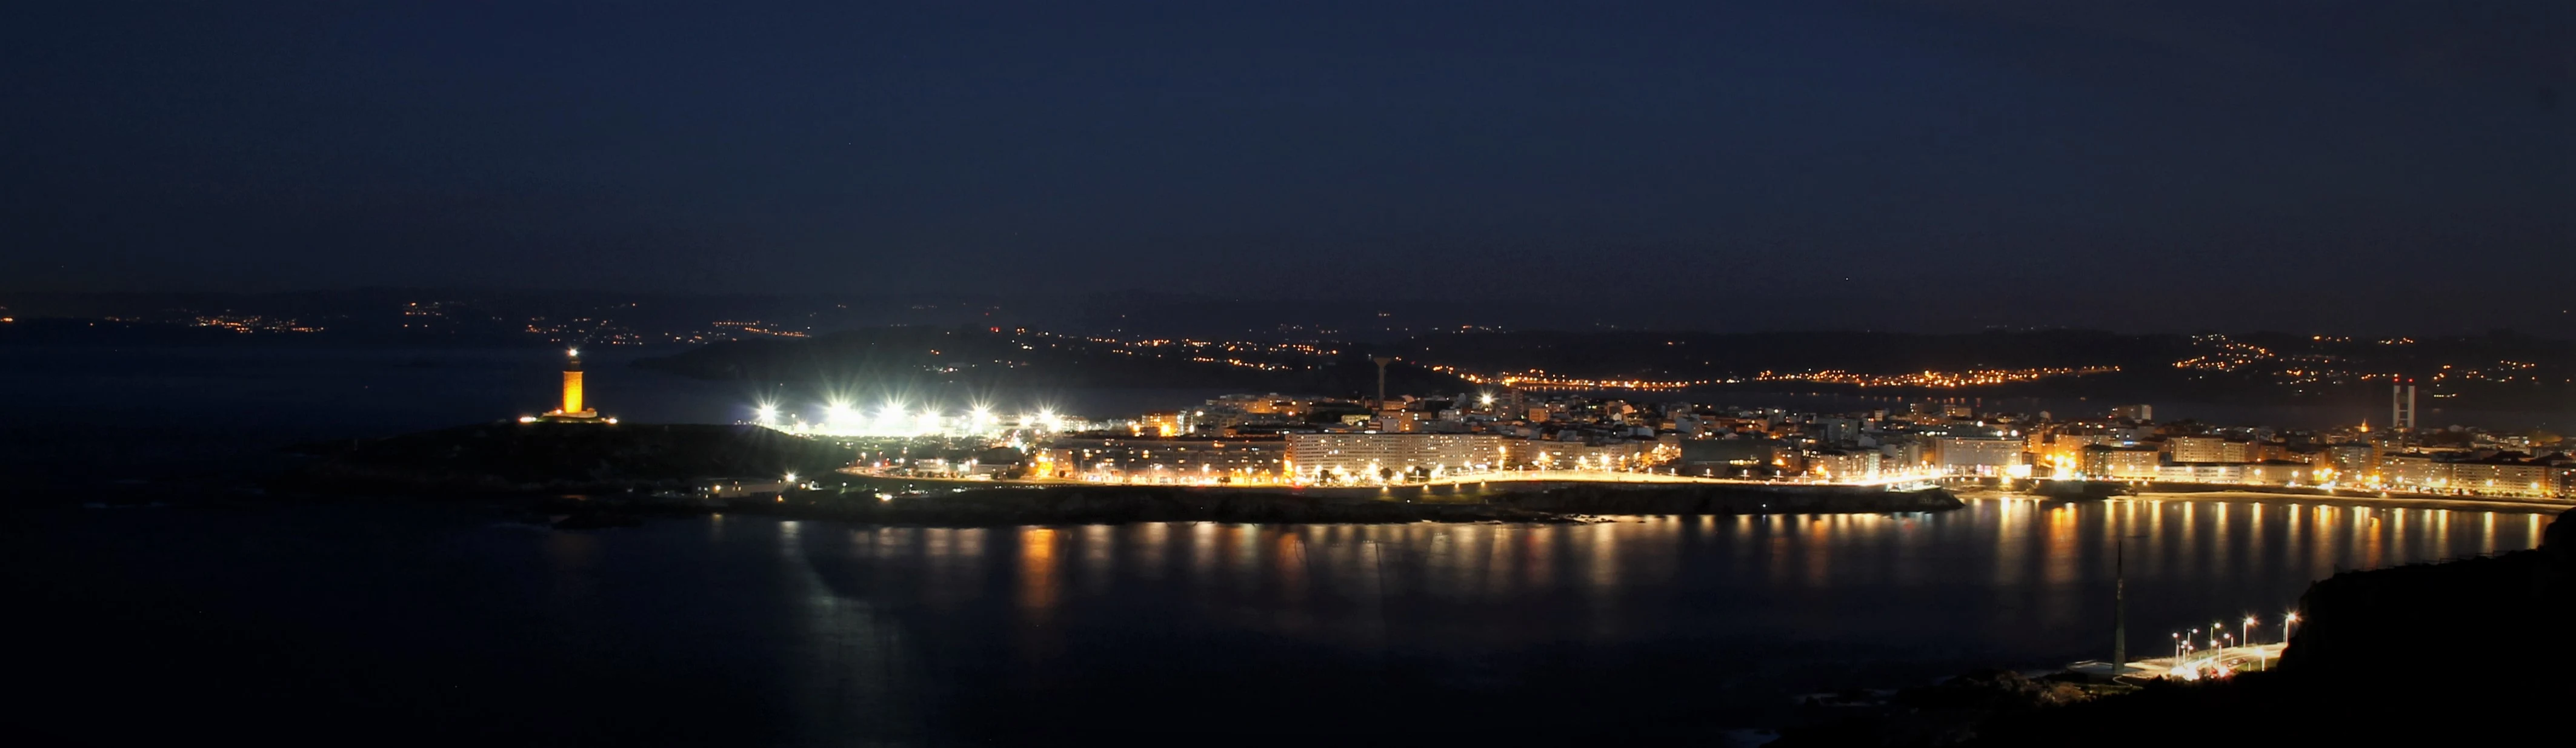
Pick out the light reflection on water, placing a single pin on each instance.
(2025, 580)
(744, 628)
(1727, 616)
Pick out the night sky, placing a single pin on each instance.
(2138, 165)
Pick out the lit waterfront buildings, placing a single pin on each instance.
(2116, 462)
(1980, 456)
(2193, 449)
(1387, 455)
(1123, 459)
(1269, 439)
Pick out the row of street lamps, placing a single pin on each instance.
(2219, 641)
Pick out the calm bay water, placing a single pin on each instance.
(459, 622)
(456, 622)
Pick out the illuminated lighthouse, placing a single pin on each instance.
(573, 408)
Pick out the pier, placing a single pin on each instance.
(2196, 665)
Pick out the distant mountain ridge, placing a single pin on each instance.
(2498, 371)
(994, 358)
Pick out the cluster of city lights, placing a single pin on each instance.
(1938, 379)
(249, 324)
(2216, 652)
(2229, 355)
(759, 328)
(894, 419)
(1204, 351)
(2223, 355)
(1539, 379)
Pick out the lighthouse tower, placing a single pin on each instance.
(573, 409)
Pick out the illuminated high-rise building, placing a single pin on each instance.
(2401, 399)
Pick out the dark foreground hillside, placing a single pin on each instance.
(2470, 652)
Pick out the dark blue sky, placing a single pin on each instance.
(2139, 165)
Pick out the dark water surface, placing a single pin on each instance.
(445, 622)
(371, 623)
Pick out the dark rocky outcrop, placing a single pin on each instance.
(2469, 652)
(1945, 713)
(557, 458)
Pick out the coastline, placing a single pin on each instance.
(606, 477)
(2336, 662)
(2259, 496)
(1115, 504)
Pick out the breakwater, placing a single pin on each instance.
(1058, 504)
(1617, 498)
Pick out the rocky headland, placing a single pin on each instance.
(657, 468)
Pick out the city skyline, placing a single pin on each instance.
(1809, 373)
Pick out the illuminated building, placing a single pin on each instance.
(2208, 449)
(1971, 455)
(2117, 463)
(2499, 475)
(1399, 421)
(2066, 447)
(1729, 457)
(2401, 406)
(1553, 454)
(2415, 471)
(1364, 455)
(1846, 464)
(2202, 472)
(1163, 424)
(2284, 473)
(1162, 460)
(2352, 460)
(1272, 404)
(573, 408)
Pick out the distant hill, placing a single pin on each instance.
(1647, 354)
(995, 358)
(2498, 370)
